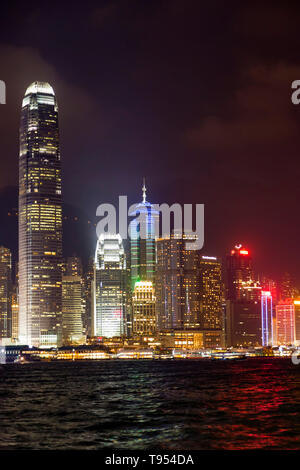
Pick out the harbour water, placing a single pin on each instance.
(146, 405)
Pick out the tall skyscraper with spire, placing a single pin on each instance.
(142, 242)
(40, 219)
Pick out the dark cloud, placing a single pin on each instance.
(259, 114)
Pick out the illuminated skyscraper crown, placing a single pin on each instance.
(39, 87)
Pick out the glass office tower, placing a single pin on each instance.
(72, 309)
(5, 292)
(211, 314)
(143, 309)
(40, 219)
(177, 284)
(109, 288)
(142, 242)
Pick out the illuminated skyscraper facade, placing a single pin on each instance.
(286, 287)
(73, 301)
(72, 309)
(143, 308)
(177, 285)
(40, 219)
(211, 312)
(14, 315)
(5, 292)
(109, 288)
(297, 320)
(239, 273)
(267, 330)
(142, 243)
(285, 323)
(72, 266)
(243, 323)
(88, 297)
(243, 304)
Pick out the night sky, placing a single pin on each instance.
(196, 96)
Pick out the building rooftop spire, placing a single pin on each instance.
(144, 189)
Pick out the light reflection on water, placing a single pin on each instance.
(151, 405)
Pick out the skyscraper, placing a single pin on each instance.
(267, 330)
(177, 284)
(297, 320)
(109, 286)
(239, 273)
(285, 322)
(14, 315)
(243, 323)
(5, 292)
(72, 309)
(142, 248)
(72, 266)
(243, 307)
(286, 287)
(88, 297)
(210, 293)
(143, 308)
(40, 219)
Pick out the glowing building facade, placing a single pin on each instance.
(211, 290)
(72, 266)
(297, 320)
(239, 273)
(14, 315)
(72, 309)
(267, 330)
(143, 308)
(40, 219)
(142, 242)
(177, 285)
(88, 297)
(285, 323)
(243, 304)
(5, 292)
(243, 323)
(109, 289)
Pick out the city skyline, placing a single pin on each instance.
(197, 140)
(58, 305)
(149, 188)
(189, 288)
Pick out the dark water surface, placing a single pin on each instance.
(179, 405)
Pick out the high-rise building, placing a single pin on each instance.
(40, 219)
(285, 322)
(15, 315)
(286, 287)
(143, 308)
(243, 304)
(270, 285)
(211, 290)
(73, 266)
(297, 320)
(88, 297)
(239, 273)
(243, 323)
(267, 327)
(177, 285)
(72, 309)
(5, 292)
(142, 242)
(73, 301)
(109, 286)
